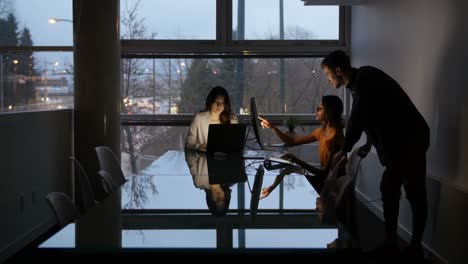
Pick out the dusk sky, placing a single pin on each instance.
(182, 19)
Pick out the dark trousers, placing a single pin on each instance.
(408, 170)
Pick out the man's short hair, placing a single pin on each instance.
(337, 58)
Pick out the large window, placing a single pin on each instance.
(35, 81)
(250, 46)
(180, 85)
(36, 23)
(242, 27)
(166, 20)
(36, 70)
(267, 49)
(288, 20)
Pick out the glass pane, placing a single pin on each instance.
(141, 145)
(145, 151)
(262, 20)
(65, 238)
(30, 20)
(285, 238)
(36, 81)
(162, 19)
(169, 239)
(167, 192)
(173, 86)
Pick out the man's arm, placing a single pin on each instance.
(355, 125)
(359, 113)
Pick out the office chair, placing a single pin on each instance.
(84, 196)
(354, 164)
(346, 198)
(345, 184)
(107, 182)
(109, 163)
(64, 208)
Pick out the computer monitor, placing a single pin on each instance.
(256, 192)
(255, 122)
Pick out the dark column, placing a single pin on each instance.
(97, 111)
(282, 67)
(223, 235)
(239, 96)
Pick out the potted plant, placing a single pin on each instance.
(292, 123)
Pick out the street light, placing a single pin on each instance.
(54, 20)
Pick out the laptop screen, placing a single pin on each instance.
(226, 138)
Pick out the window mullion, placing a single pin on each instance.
(223, 22)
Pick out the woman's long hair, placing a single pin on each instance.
(213, 207)
(333, 107)
(226, 115)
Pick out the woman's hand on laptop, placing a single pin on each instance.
(265, 122)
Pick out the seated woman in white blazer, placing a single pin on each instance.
(217, 111)
(217, 196)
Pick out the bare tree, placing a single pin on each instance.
(297, 32)
(174, 73)
(132, 72)
(134, 138)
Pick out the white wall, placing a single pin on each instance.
(34, 153)
(423, 45)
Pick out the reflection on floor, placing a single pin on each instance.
(369, 230)
(160, 215)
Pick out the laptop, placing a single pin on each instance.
(226, 138)
(226, 169)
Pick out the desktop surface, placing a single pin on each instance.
(164, 207)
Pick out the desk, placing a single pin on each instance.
(167, 183)
(164, 207)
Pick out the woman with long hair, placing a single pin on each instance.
(329, 136)
(217, 111)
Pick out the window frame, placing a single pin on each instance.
(224, 44)
(223, 47)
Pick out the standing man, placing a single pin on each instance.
(398, 132)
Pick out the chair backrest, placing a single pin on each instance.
(64, 208)
(84, 196)
(333, 173)
(347, 183)
(354, 164)
(107, 182)
(108, 162)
